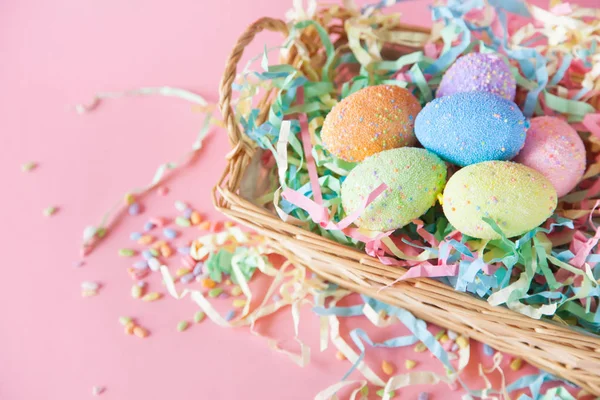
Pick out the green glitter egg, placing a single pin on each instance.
(517, 198)
(414, 177)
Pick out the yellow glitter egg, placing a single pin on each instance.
(371, 120)
(517, 198)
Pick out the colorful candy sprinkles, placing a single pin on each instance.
(387, 367)
(134, 209)
(423, 396)
(199, 317)
(217, 261)
(98, 390)
(141, 332)
(50, 211)
(230, 315)
(125, 252)
(29, 166)
(554, 76)
(487, 350)
(211, 286)
(153, 296)
(181, 206)
(182, 326)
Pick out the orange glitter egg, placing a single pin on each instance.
(369, 121)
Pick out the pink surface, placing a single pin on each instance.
(53, 343)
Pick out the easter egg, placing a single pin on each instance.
(478, 72)
(371, 120)
(471, 127)
(414, 177)
(554, 148)
(516, 197)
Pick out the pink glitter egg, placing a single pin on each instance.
(553, 148)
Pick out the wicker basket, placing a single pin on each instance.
(557, 349)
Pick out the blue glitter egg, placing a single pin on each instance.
(471, 127)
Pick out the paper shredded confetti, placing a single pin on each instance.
(554, 77)
(291, 286)
(386, 394)
(230, 315)
(91, 238)
(558, 75)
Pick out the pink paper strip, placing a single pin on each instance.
(356, 213)
(427, 270)
(561, 9)
(592, 122)
(429, 238)
(430, 50)
(320, 215)
(355, 233)
(310, 161)
(316, 212)
(584, 251)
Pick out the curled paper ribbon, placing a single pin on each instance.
(554, 60)
(92, 235)
(320, 214)
(317, 212)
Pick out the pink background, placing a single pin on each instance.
(53, 343)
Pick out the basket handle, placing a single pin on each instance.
(236, 138)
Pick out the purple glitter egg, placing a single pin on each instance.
(478, 72)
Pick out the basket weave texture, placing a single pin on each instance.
(557, 349)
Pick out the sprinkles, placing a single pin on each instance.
(127, 252)
(479, 283)
(29, 166)
(182, 326)
(50, 211)
(98, 390)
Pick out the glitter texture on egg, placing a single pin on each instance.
(371, 120)
(479, 72)
(414, 178)
(517, 198)
(471, 127)
(554, 149)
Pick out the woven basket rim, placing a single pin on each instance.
(562, 351)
